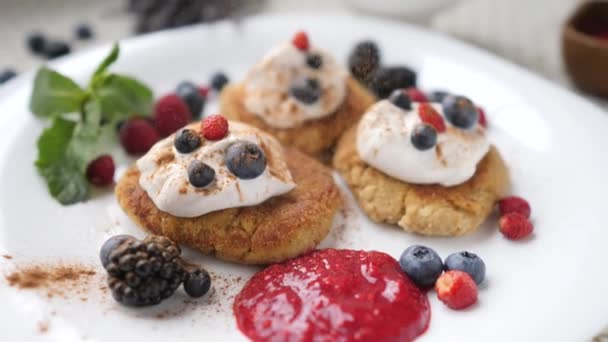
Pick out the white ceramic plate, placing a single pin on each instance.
(549, 288)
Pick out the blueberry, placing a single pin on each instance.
(307, 91)
(197, 283)
(424, 137)
(187, 140)
(422, 264)
(200, 174)
(110, 245)
(437, 95)
(83, 31)
(364, 60)
(245, 160)
(36, 42)
(56, 49)
(467, 262)
(460, 111)
(314, 61)
(6, 75)
(400, 99)
(218, 81)
(189, 92)
(387, 79)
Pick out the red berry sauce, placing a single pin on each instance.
(332, 295)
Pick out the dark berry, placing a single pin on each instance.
(200, 174)
(36, 42)
(364, 60)
(83, 31)
(467, 262)
(460, 111)
(422, 264)
(307, 90)
(6, 75)
(55, 49)
(110, 245)
(424, 137)
(400, 99)
(137, 136)
(437, 95)
(190, 94)
(187, 140)
(314, 61)
(218, 81)
(197, 282)
(387, 79)
(132, 276)
(245, 160)
(100, 171)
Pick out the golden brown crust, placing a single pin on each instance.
(280, 228)
(312, 137)
(425, 209)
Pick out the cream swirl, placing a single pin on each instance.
(384, 142)
(268, 84)
(164, 174)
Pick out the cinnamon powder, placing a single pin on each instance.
(56, 279)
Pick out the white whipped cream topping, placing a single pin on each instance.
(383, 141)
(268, 83)
(164, 174)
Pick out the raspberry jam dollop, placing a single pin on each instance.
(332, 295)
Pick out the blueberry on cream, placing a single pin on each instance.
(243, 168)
(423, 143)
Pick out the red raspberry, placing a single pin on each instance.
(204, 91)
(100, 171)
(214, 127)
(170, 114)
(300, 41)
(515, 226)
(429, 115)
(137, 135)
(416, 95)
(514, 204)
(482, 117)
(456, 289)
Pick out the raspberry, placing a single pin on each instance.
(300, 41)
(101, 170)
(137, 135)
(482, 117)
(170, 114)
(456, 289)
(429, 115)
(514, 204)
(204, 91)
(416, 95)
(515, 226)
(214, 127)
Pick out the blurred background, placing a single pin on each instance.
(529, 33)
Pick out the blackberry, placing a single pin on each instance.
(36, 42)
(387, 79)
(144, 272)
(55, 49)
(83, 31)
(364, 60)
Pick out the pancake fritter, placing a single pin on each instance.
(280, 228)
(424, 209)
(312, 137)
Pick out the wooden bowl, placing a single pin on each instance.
(585, 54)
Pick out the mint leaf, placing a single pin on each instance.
(64, 151)
(122, 96)
(109, 60)
(64, 179)
(55, 94)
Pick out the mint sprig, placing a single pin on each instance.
(67, 146)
